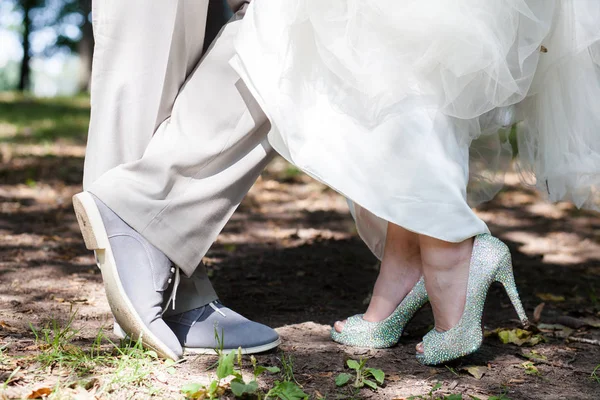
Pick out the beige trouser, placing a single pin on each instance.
(144, 53)
(198, 166)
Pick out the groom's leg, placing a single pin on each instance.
(179, 195)
(198, 166)
(140, 65)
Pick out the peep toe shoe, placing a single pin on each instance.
(379, 335)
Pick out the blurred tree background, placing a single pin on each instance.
(46, 46)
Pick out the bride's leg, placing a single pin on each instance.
(400, 271)
(446, 272)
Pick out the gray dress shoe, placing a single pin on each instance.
(196, 331)
(136, 274)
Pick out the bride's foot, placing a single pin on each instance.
(490, 262)
(400, 271)
(391, 287)
(446, 271)
(386, 333)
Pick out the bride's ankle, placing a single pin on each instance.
(388, 293)
(446, 271)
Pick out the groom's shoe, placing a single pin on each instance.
(196, 331)
(136, 274)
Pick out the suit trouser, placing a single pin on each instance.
(198, 166)
(144, 53)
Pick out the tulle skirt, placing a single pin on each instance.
(412, 108)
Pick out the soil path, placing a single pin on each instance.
(290, 258)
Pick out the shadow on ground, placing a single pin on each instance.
(290, 258)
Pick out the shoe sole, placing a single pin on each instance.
(120, 333)
(96, 239)
(245, 350)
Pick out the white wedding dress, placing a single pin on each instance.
(405, 106)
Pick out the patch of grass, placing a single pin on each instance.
(132, 367)
(596, 374)
(31, 120)
(109, 368)
(56, 348)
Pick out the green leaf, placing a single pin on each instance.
(353, 365)
(453, 397)
(225, 367)
(342, 379)
(241, 388)
(259, 369)
(370, 384)
(213, 387)
(152, 354)
(191, 388)
(287, 391)
(519, 337)
(169, 363)
(530, 368)
(378, 374)
(435, 387)
(171, 371)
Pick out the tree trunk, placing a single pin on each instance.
(24, 81)
(85, 47)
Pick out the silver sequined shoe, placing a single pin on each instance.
(379, 335)
(490, 262)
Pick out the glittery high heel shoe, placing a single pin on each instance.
(379, 335)
(490, 262)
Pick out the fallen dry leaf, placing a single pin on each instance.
(537, 312)
(6, 327)
(40, 393)
(556, 329)
(593, 322)
(477, 371)
(550, 297)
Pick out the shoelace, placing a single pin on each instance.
(173, 294)
(213, 305)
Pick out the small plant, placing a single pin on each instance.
(530, 368)
(362, 375)
(596, 374)
(10, 378)
(287, 364)
(226, 369)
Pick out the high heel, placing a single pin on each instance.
(379, 335)
(490, 262)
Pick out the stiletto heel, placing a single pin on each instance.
(506, 277)
(490, 262)
(379, 335)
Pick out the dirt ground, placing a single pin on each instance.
(290, 258)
